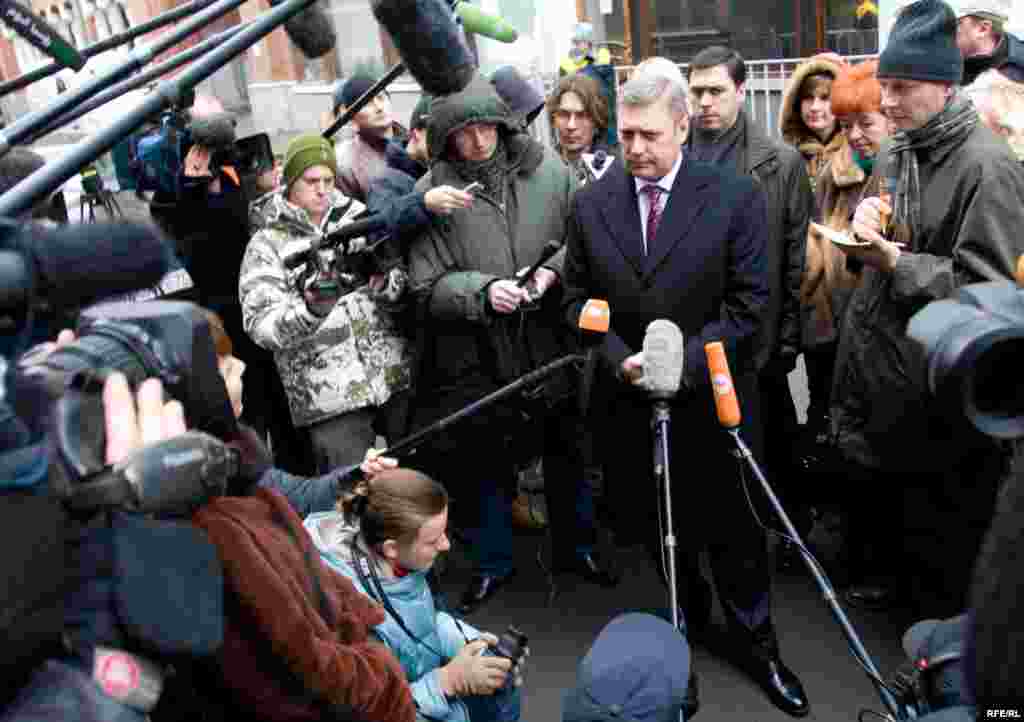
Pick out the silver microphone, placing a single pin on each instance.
(663, 359)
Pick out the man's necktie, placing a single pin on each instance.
(653, 192)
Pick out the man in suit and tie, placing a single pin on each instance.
(663, 237)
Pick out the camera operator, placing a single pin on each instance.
(340, 356)
(385, 538)
(955, 219)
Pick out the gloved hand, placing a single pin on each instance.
(472, 672)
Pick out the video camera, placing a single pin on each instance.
(974, 344)
(159, 154)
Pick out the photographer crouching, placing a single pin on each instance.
(386, 537)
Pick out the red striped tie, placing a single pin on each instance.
(653, 192)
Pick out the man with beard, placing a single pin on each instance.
(484, 331)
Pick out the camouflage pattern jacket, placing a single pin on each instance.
(352, 358)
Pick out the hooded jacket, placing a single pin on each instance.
(457, 257)
(393, 194)
(827, 283)
(971, 216)
(791, 124)
(353, 358)
(412, 598)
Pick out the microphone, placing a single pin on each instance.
(433, 47)
(355, 229)
(550, 249)
(82, 264)
(31, 28)
(594, 322)
(663, 359)
(476, 21)
(311, 31)
(726, 404)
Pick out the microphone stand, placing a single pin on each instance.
(50, 177)
(828, 592)
(112, 42)
(24, 127)
(661, 421)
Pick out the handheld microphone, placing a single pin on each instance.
(663, 359)
(355, 229)
(427, 36)
(594, 321)
(32, 29)
(726, 404)
(476, 21)
(311, 31)
(550, 249)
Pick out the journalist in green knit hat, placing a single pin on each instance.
(304, 152)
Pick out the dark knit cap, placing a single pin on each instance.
(922, 45)
(354, 88)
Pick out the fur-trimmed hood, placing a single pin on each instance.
(791, 125)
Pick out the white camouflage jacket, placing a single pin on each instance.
(353, 358)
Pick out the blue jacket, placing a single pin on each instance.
(411, 597)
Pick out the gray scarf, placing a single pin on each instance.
(490, 172)
(938, 137)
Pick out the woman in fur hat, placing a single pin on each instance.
(806, 120)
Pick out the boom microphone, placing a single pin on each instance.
(355, 229)
(79, 265)
(311, 31)
(726, 404)
(663, 359)
(476, 21)
(32, 29)
(427, 36)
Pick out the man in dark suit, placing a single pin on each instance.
(693, 251)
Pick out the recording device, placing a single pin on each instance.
(311, 31)
(511, 646)
(727, 406)
(549, 250)
(363, 263)
(474, 20)
(663, 359)
(427, 36)
(594, 321)
(37, 33)
(974, 343)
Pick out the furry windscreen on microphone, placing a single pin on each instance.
(215, 131)
(311, 31)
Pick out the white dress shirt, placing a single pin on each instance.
(665, 182)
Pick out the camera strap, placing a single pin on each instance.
(366, 573)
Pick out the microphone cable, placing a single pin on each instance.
(830, 590)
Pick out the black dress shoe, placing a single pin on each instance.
(765, 667)
(480, 589)
(691, 702)
(592, 568)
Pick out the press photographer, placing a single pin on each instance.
(385, 537)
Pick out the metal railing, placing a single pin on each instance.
(766, 84)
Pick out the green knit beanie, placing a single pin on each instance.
(304, 152)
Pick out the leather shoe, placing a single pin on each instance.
(481, 588)
(592, 568)
(867, 597)
(766, 668)
(691, 702)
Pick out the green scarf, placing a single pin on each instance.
(863, 162)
